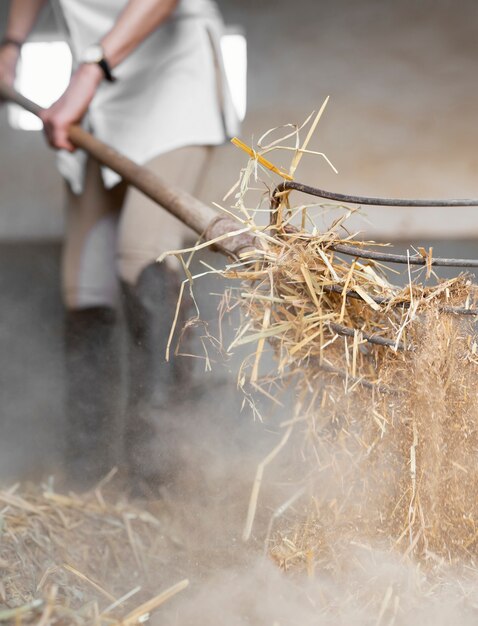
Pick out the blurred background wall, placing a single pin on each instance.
(401, 121)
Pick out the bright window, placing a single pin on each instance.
(42, 76)
(234, 51)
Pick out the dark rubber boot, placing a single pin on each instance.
(156, 385)
(92, 392)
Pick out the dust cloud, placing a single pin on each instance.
(239, 584)
(363, 578)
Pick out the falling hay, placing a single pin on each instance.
(385, 381)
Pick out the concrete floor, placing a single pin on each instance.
(31, 376)
(32, 415)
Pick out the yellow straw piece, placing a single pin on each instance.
(255, 155)
(299, 154)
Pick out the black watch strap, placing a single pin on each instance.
(10, 41)
(103, 63)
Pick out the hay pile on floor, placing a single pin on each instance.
(385, 380)
(68, 559)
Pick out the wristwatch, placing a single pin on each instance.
(95, 54)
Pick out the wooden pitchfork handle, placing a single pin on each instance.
(203, 219)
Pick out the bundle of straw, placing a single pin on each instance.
(385, 382)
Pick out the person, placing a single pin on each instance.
(148, 80)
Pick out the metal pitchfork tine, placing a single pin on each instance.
(371, 201)
(359, 252)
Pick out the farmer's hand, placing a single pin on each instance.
(9, 56)
(72, 106)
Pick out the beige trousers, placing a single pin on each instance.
(115, 233)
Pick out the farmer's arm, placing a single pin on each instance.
(21, 19)
(136, 22)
